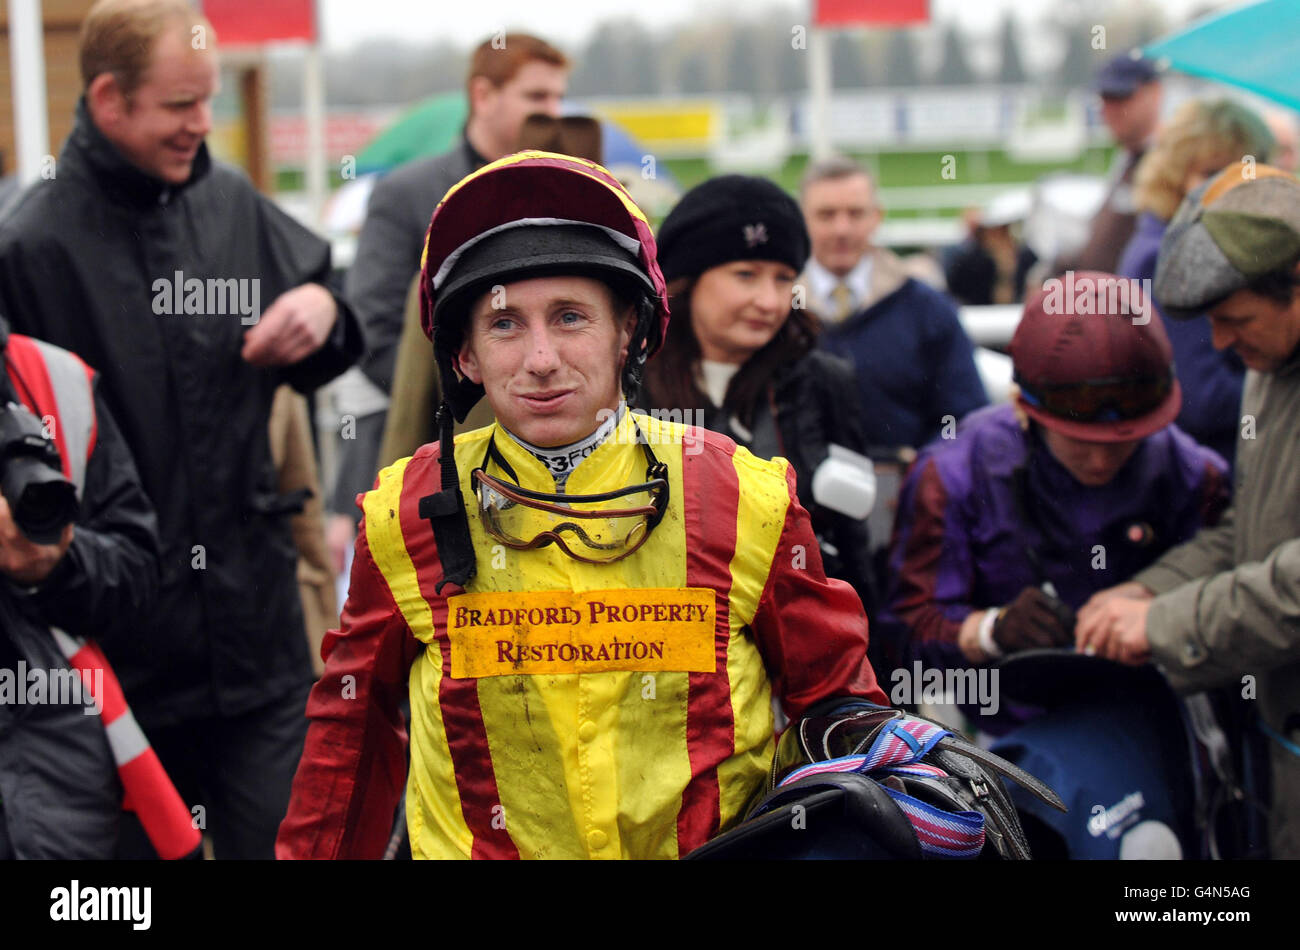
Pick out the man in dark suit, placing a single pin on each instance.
(510, 78)
(915, 366)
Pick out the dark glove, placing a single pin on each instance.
(1034, 620)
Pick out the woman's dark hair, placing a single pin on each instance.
(670, 376)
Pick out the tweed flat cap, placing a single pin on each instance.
(1241, 224)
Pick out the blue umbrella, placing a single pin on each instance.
(1255, 47)
(619, 147)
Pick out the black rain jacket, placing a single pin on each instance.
(809, 407)
(81, 261)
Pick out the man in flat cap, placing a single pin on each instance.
(1225, 607)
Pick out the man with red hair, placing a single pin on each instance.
(511, 77)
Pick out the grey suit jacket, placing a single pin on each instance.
(388, 252)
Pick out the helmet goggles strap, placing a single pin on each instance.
(1099, 400)
(655, 485)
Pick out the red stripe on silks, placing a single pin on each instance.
(918, 577)
(462, 717)
(710, 498)
(29, 376)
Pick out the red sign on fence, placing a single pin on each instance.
(254, 22)
(870, 12)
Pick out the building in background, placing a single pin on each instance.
(62, 20)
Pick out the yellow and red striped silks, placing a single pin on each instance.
(624, 763)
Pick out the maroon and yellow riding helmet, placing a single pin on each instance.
(535, 214)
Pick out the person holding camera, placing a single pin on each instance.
(78, 559)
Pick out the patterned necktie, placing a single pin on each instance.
(842, 297)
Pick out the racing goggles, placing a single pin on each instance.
(598, 529)
(1100, 400)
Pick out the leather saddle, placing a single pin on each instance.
(853, 780)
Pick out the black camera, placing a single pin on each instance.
(41, 500)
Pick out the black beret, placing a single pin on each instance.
(732, 218)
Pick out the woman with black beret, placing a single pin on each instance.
(740, 354)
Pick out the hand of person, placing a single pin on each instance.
(968, 638)
(295, 326)
(1031, 621)
(340, 534)
(1130, 589)
(1117, 630)
(23, 561)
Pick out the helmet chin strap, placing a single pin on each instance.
(638, 348)
(445, 510)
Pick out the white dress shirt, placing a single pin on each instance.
(822, 283)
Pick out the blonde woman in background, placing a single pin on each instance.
(1199, 139)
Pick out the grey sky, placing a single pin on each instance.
(570, 22)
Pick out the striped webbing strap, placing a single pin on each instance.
(897, 750)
